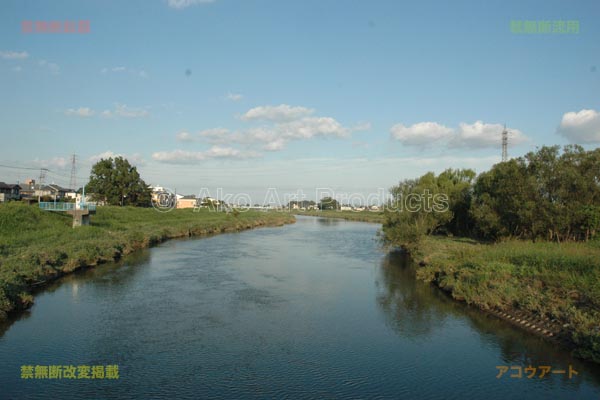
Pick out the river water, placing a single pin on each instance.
(310, 310)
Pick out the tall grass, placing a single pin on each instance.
(559, 282)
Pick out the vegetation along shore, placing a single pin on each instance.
(363, 216)
(37, 246)
(520, 241)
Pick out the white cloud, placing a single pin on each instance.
(80, 112)
(56, 162)
(581, 127)
(283, 124)
(275, 145)
(480, 135)
(121, 69)
(420, 134)
(234, 96)
(214, 133)
(122, 110)
(14, 55)
(134, 159)
(477, 135)
(282, 112)
(52, 67)
(184, 137)
(181, 4)
(363, 126)
(309, 127)
(215, 152)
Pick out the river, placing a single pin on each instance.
(310, 310)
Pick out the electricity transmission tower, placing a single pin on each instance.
(73, 181)
(41, 182)
(42, 177)
(504, 144)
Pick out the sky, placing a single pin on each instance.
(247, 95)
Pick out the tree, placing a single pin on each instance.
(117, 182)
(327, 203)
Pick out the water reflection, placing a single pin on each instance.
(410, 309)
(414, 310)
(312, 310)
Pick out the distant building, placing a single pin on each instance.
(187, 201)
(56, 192)
(9, 191)
(162, 196)
(28, 189)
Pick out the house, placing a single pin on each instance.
(9, 191)
(187, 201)
(210, 202)
(346, 207)
(163, 197)
(28, 189)
(55, 191)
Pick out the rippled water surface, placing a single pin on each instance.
(311, 310)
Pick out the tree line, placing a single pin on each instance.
(548, 194)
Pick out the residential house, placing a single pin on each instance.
(9, 191)
(187, 201)
(57, 193)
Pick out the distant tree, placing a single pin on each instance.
(545, 195)
(117, 182)
(327, 203)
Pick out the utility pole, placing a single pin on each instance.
(504, 144)
(41, 182)
(73, 181)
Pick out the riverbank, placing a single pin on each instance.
(37, 247)
(549, 289)
(362, 216)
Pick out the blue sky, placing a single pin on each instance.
(248, 95)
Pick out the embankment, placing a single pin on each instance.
(549, 289)
(37, 247)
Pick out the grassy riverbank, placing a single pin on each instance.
(548, 288)
(363, 216)
(39, 246)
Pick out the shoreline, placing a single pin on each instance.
(36, 261)
(544, 328)
(375, 217)
(523, 284)
(558, 329)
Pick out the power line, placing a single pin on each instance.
(12, 166)
(46, 171)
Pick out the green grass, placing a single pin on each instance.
(557, 282)
(38, 246)
(363, 216)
